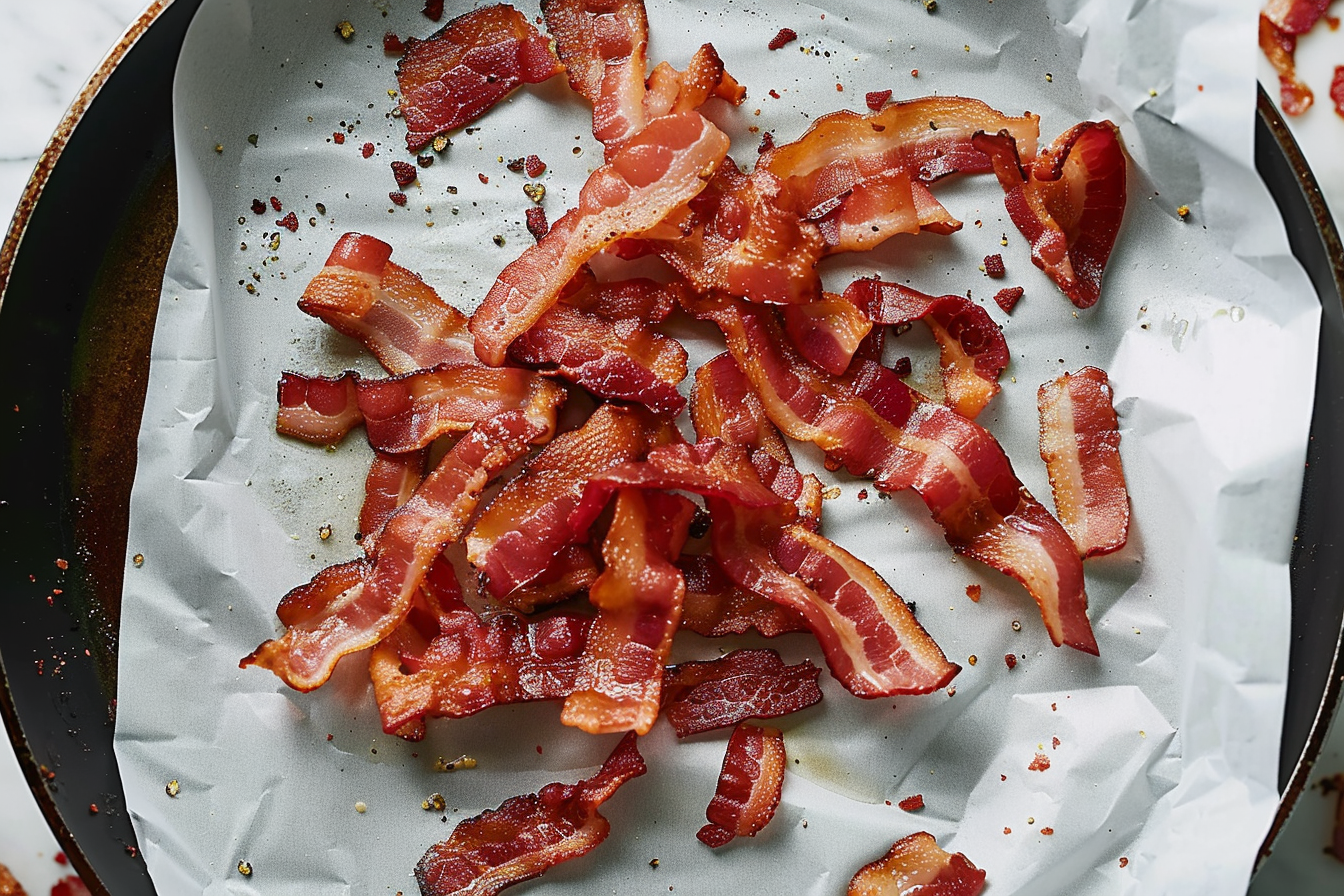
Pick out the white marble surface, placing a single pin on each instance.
(48, 49)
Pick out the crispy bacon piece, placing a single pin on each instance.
(863, 178)
(462, 70)
(570, 572)
(828, 331)
(735, 238)
(658, 170)
(715, 607)
(725, 406)
(1080, 444)
(406, 413)
(340, 613)
(528, 834)
(527, 524)
(1337, 90)
(445, 661)
(917, 866)
(639, 299)
(604, 46)
(392, 479)
(669, 90)
(394, 313)
(972, 350)
(745, 684)
(876, 426)
(1280, 48)
(622, 359)
(638, 599)
(750, 784)
(318, 409)
(1069, 206)
(1295, 16)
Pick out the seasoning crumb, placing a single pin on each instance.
(653, 863)
(361, 807)
(173, 788)
(831, 493)
(461, 763)
(138, 560)
(252, 138)
(1017, 626)
(345, 30)
(245, 868)
(972, 659)
(499, 239)
(219, 147)
(321, 208)
(973, 592)
(1183, 212)
(1124, 860)
(1010, 660)
(324, 531)
(535, 192)
(441, 143)
(1007, 830)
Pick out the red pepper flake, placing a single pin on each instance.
(1337, 89)
(1048, 832)
(483, 179)
(366, 150)
(397, 197)
(876, 99)
(1054, 743)
(1054, 707)
(1007, 298)
(537, 224)
(1124, 860)
(393, 45)
(767, 143)
(258, 208)
(863, 494)
(433, 10)
(62, 564)
(914, 73)
(290, 222)
(839, 88)
(535, 167)
(1003, 777)
(783, 38)
(337, 137)
(404, 172)
(994, 266)
(912, 803)
(515, 165)
(275, 204)
(1007, 830)
(1010, 660)
(902, 367)
(330, 737)
(93, 808)
(1040, 763)
(61, 859)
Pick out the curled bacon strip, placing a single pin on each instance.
(392, 479)
(638, 599)
(828, 331)
(1296, 16)
(725, 406)
(745, 684)
(317, 409)
(406, 413)
(604, 46)
(570, 572)
(750, 784)
(917, 866)
(394, 313)
(466, 67)
(1080, 444)
(528, 834)
(715, 607)
(1280, 47)
(444, 660)
(972, 349)
(658, 170)
(527, 524)
(331, 620)
(1070, 204)
(638, 299)
(672, 91)
(620, 359)
(863, 178)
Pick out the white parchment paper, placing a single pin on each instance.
(1163, 776)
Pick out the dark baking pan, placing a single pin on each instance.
(79, 283)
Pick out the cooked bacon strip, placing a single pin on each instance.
(1280, 48)
(392, 479)
(445, 661)
(623, 359)
(877, 426)
(638, 299)
(749, 787)
(571, 572)
(971, 347)
(917, 866)
(604, 46)
(725, 406)
(638, 599)
(465, 68)
(527, 524)
(317, 409)
(669, 90)
(828, 331)
(734, 237)
(1080, 444)
(715, 607)
(528, 834)
(1295, 16)
(658, 170)
(406, 413)
(333, 623)
(394, 313)
(1070, 207)
(863, 178)
(745, 684)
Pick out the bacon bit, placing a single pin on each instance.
(392, 44)
(338, 137)
(767, 143)
(1007, 831)
(528, 834)
(774, 93)
(433, 10)
(404, 172)
(1007, 298)
(876, 99)
(1337, 89)
(994, 266)
(61, 859)
(62, 564)
(66, 886)
(902, 368)
(973, 592)
(535, 167)
(1054, 743)
(366, 150)
(1010, 660)
(258, 208)
(345, 30)
(785, 37)
(275, 204)
(93, 808)
(290, 222)
(1048, 832)
(749, 786)
(745, 684)
(912, 803)
(863, 494)
(397, 197)
(1040, 763)
(916, 865)
(483, 178)
(537, 225)
(1124, 860)
(715, 607)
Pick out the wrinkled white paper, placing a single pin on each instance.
(1167, 744)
